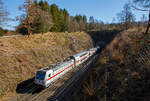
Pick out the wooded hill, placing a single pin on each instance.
(42, 17)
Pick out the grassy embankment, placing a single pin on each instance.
(20, 57)
(123, 68)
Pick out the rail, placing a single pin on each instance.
(74, 82)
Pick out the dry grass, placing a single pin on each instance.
(123, 41)
(20, 57)
(127, 80)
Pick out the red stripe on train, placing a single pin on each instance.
(66, 68)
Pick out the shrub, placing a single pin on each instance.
(1, 31)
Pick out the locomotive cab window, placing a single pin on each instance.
(40, 75)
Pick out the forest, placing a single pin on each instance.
(41, 17)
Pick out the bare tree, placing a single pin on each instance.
(142, 5)
(73, 25)
(34, 19)
(27, 17)
(126, 17)
(144, 20)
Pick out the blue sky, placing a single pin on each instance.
(104, 10)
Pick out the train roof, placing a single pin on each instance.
(79, 54)
(48, 68)
(92, 48)
(55, 67)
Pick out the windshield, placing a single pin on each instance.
(40, 75)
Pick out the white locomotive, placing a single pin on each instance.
(48, 75)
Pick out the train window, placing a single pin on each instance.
(83, 54)
(49, 75)
(40, 75)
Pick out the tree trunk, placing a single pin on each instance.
(148, 24)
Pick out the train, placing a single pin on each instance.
(46, 76)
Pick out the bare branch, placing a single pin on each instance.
(135, 8)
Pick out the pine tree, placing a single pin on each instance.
(79, 20)
(85, 23)
(42, 17)
(35, 3)
(45, 6)
(91, 25)
(63, 20)
(56, 18)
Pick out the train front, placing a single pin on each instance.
(40, 78)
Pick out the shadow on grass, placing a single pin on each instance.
(69, 90)
(28, 86)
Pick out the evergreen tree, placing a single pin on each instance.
(91, 19)
(1, 31)
(78, 18)
(42, 17)
(80, 21)
(91, 25)
(45, 6)
(63, 20)
(35, 3)
(56, 18)
(85, 23)
(84, 19)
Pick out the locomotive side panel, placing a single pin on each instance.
(58, 70)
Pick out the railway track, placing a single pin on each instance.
(69, 88)
(36, 93)
(51, 90)
(55, 90)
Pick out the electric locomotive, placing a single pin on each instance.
(46, 76)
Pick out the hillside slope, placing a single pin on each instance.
(20, 57)
(122, 72)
